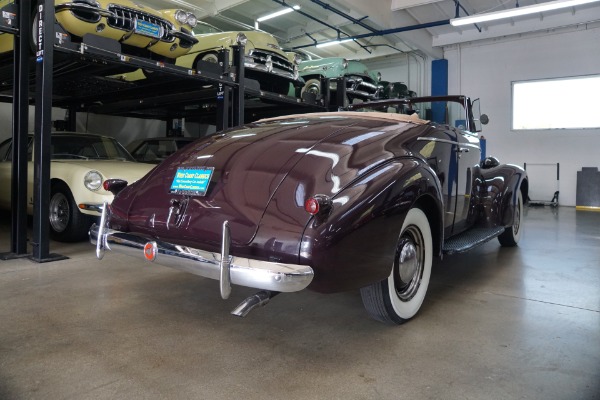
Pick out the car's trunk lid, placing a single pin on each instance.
(248, 166)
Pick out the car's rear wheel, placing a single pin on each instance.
(398, 298)
(512, 234)
(67, 223)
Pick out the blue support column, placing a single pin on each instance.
(439, 87)
(439, 78)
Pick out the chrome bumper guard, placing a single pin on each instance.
(223, 267)
(96, 207)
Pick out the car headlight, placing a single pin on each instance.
(344, 63)
(297, 58)
(192, 20)
(93, 180)
(241, 39)
(181, 16)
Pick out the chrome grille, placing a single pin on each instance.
(125, 17)
(260, 57)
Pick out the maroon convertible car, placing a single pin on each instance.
(328, 201)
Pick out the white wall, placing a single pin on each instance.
(486, 70)
(6, 125)
(125, 130)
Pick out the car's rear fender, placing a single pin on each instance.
(354, 245)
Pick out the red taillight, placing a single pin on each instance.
(114, 185)
(319, 205)
(311, 205)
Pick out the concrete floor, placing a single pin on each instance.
(520, 323)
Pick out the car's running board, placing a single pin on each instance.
(471, 238)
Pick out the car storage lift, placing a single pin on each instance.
(74, 76)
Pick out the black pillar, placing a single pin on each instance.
(18, 245)
(43, 122)
(223, 101)
(238, 91)
(340, 95)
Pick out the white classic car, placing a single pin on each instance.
(80, 164)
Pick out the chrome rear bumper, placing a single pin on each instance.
(223, 267)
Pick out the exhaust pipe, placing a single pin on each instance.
(257, 300)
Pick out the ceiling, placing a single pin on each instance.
(324, 20)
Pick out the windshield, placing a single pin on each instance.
(446, 112)
(202, 28)
(87, 147)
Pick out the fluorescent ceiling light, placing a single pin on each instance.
(518, 11)
(325, 44)
(278, 13)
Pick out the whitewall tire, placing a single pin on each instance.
(399, 297)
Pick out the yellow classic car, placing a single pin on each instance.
(80, 163)
(264, 60)
(167, 33)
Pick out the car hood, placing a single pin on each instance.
(110, 169)
(332, 67)
(258, 40)
(261, 171)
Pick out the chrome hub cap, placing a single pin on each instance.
(409, 264)
(313, 88)
(59, 212)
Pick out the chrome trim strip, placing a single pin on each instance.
(184, 36)
(432, 139)
(85, 8)
(473, 146)
(258, 274)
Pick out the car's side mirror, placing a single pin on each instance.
(484, 119)
(489, 162)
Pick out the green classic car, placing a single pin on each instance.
(264, 60)
(140, 29)
(360, 82)
(395, 90)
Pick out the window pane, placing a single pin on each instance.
(565, 103)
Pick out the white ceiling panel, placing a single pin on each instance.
(381, 27)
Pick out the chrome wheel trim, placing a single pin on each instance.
(59, 212)
(408, 265)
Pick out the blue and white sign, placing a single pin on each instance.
(191, 181)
